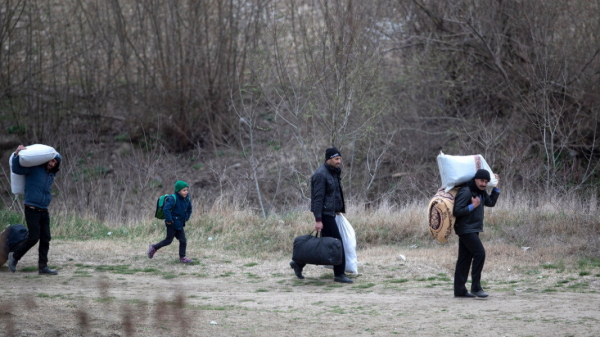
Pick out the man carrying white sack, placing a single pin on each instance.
(38, 186)
(468, 209)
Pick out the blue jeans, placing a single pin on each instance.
(171, 234)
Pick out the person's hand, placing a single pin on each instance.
(338, 213)
(318, 226)
(476, 202)
(19, 148)
(497, 179)
(169, 223)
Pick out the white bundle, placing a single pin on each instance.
(17, 181)
(32, 155)
(36, 154)
(457, 170)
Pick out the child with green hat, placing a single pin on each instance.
(177, 211)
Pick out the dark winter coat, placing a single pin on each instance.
(177, 212)
(326, 195)
(38, 182)
(471, 221)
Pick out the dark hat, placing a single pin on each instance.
(482, 174)
(332, 152)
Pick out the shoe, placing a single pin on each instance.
(12, 263)
(185, 259)
(297, 270)
(151, 251)
(480, 293)
(47, 271)
(469, 295)
(343, 279)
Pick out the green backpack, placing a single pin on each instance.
(160, 203)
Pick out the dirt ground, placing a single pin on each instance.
(101, 293)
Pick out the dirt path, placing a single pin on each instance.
(225, 295)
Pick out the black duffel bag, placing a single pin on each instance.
(311, 249)
(10, 238)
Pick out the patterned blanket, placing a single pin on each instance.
(441, 220)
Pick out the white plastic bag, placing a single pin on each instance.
(36, 154)
(17, 181)
(456, 170)
(349, 240)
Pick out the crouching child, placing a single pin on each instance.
(177, 211)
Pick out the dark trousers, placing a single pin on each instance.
(470, 251)
(330, 229)
(174, 233)
(38, 225)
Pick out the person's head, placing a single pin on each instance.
(51, 164)
(482, 178)
(333, 157)
(182, 188)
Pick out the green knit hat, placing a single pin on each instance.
(179, 185)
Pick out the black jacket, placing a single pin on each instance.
(326, 194)
(471, 221)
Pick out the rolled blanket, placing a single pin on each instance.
(441, 219)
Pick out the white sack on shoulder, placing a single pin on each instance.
(17, 181)
(36, 154)
(349, 240)
(457, 170)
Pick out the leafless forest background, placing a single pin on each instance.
(241, 97)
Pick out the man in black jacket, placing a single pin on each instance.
(327, 201)
(468, 209)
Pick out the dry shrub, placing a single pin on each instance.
(83, 321)
(8, 318)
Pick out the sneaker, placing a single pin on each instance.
(12, 263)
(342, 279)
(185, 259)
(47, 271)
(480, 293)
(297, 270)
(151, 251)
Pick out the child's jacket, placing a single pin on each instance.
(179, 212)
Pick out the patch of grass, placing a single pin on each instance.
(251, 264)
(28, 269)
(307, 282)
(169, 276)
(82, 273)
(560, 265)
(227, 274)
(252, 276)
(578, 285)
(549, 290)
(584, 273)
(402, 280)
(113, 268)
(337, 310)
(590, 262)
(364, 286)
(217, 308)
(261, 290)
